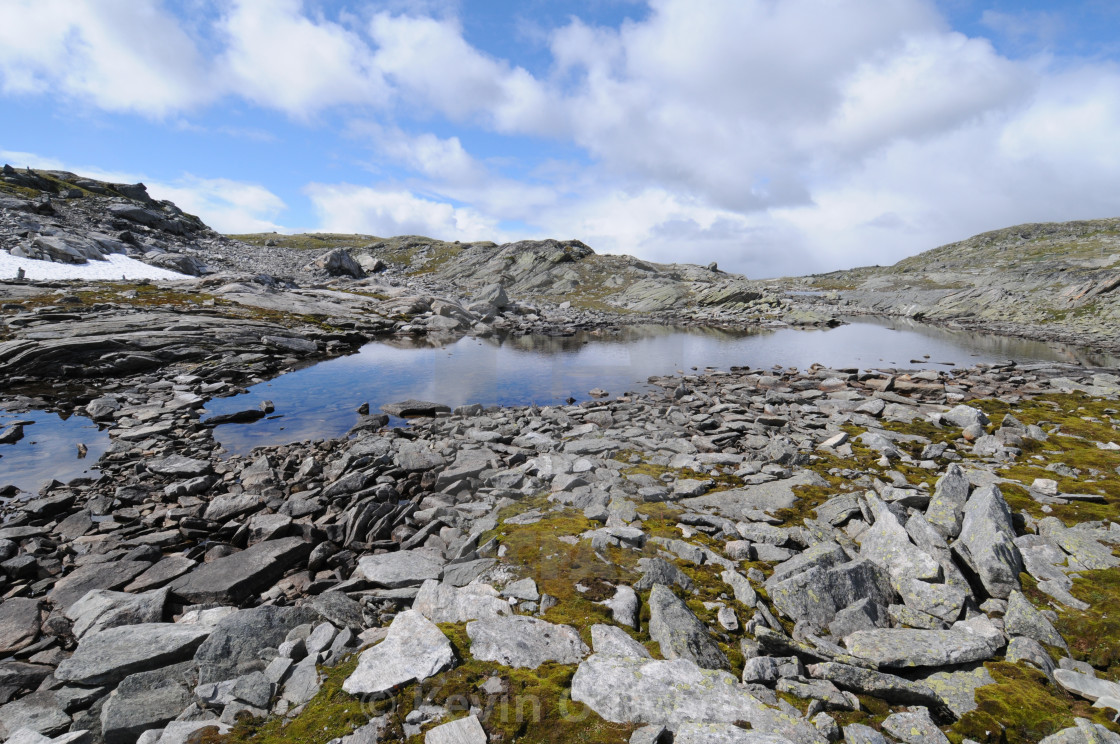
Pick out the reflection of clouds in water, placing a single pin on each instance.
(320, 400)
(49, 450)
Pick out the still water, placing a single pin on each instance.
(321, 400)
(49, 450)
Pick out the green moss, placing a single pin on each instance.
(308, 241)
(1022, 706)
(1094, 635)
(330, 714)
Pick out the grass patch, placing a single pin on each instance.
(1022, 706)
(1094, 635)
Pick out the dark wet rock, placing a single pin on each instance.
(241, 576)
(414, 408)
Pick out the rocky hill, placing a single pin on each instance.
(1050, 280)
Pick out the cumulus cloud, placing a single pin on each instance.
(346, 208)
(118, 55)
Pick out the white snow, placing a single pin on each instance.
(116, 267)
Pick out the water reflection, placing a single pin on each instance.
(320, 401)
(49, 450)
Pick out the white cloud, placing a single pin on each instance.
(346, 208)
(119, 55)
(225, 205)
(279, 58)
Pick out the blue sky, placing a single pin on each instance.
(775, 137)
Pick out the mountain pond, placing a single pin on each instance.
(321, 400)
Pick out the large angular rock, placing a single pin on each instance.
(19, 623)
(178, 466)
(524, 642)
(939, 600)
(111, 655)
(39, 712)
(887, 544)
(337, 262)
(1023, 619)
(400, 569)
(721, 733)
(109, 575)
(817, 595)
(987, 542)
(679, 633)
(965, 416)
(629, 690)
(461, 731)
(946, 509)
(889, 687)
(413, 650)
(234, 646)
(914, 727)
(102, 609)
(147, 700)
(240, 576)
(443, 603)
(1083, 732)
(1085, 685)
(895, 648)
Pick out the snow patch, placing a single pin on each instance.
(116, 267)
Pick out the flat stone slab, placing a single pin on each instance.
(525, 642)
(112, 655)
(462, 731)
(407, 408)
(237, 577)
(400, 569)
(111, 575)
(444, 603)
(413, 650)
(904, 647)
(19, 624)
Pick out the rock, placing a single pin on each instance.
(413, 650)
(524, 642)
(628, 690)
(171, 567)
(679, 633)
(111, 655)
(415, 408)
(147, 700)
(904, 647)
(964, 416)
(957, 687)
(1021, 648)
(887, 544)
(234, 645)
(232, 579)
(19, 624)
(1085, 685)
(461, 731)
(101, 609)
(399, 569)
(624, 606)
(609, 640)
(946, 508)
(891, 688)
(110, 575)
(939, 600)
(337, 262)
(177, 466)
(857, 733)
(524, 589)
(444, 603)
(815, 596)
(339, 609)
(914, 727)
(1083, 732)
(38, 712)
(721, 733)
(987, 542)
(1023, 619)
(492, 294)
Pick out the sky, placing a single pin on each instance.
(775, 137)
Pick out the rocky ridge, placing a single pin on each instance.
(1052, 281)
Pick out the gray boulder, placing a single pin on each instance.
(679, 633)
(234, 578)
(233, 648)
(887, 544)
(914, 727)
(444, 603)
(413, 650)
(337, 262)
(904, 647)
(965, 416)
(147, 700)
(109, 575)
(19, 623)
(111, 655)
(401, 568)
(460, 731)
(39, 712)
(609, 640)
(987, 542)
(946, 508)
(1083, 732)
(524, 642)
(1022, 619)
(101, 609)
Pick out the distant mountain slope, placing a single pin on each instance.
(1060, 276)
(549, 270)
